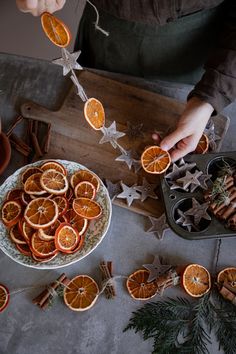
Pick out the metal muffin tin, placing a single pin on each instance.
(177, 199)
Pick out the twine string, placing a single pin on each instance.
(96, 24)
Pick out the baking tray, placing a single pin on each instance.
(174, 199)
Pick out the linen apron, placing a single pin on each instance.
(173, 52)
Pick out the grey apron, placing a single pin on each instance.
(173, 52)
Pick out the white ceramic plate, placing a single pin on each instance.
(94, 235)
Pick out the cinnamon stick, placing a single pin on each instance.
(43, 299)
(36, 145)
(19, 148)
(106, 270)
(20, 142)
(16, 121)
(46, 144)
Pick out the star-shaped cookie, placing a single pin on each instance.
(147, 190)
(198, 211)
(159, 226)
(129, 193)
(156, 268)
(68, 61)
(113, 188)
(111, 135)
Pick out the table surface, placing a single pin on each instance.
(27, 329)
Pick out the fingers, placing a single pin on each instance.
(183, 148)
(26, 5)
(37, 7)
(172, 139)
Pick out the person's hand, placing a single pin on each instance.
(37, 7)
(189, 129)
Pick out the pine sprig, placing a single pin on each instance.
(179, 326)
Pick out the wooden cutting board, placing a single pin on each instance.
(73, 138)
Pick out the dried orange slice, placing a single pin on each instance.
(33, 186)
(94, 113)
(26, 198)
(203, 145)
(53, 165)
(16, 236)
(48, 234)
(54, 182)
(227, 275)
(84, 175)
(155, 160)
(66, 238)
(85, 189)
(40, 213)
(15, 194)
(4, 297)
(196, 280)
(69, 194)
(24, 249)
(81, 293)
(138, 286)
(55, 30)
(77, 222)
(42, 248)
(27, 231)
(29, 172)
(11, 211)
(86, 208)
(43, 259)
(62, 204)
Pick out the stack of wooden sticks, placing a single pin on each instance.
(35, 144)
(222, 198)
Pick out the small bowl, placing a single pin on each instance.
(5, 152)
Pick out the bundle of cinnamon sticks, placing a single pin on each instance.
(44, 299)
(223, 202)
(34, 147)
(106, 270)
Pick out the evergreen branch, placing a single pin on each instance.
(176, 326)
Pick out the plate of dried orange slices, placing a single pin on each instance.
(53, 213)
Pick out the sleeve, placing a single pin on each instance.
(218, 84)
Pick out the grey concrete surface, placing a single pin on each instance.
(25, 329)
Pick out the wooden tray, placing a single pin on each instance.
(73, 139)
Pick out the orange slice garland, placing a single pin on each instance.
(54, 182)
(86, 208)
(196, 280)
(41, 213)
(94, 113)
(138, 286)
(4, 297)
(55, 30)
(81, 293)
(155, 160)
